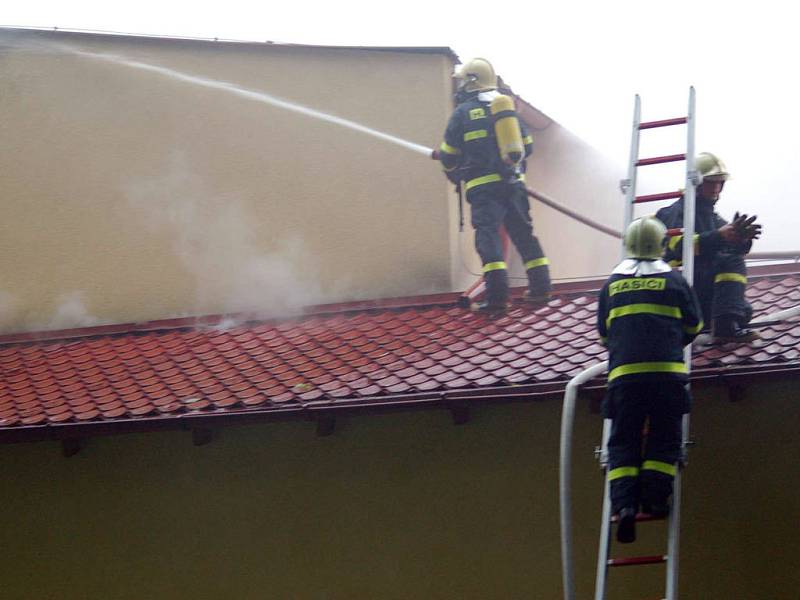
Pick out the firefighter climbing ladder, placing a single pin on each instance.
(604, 563)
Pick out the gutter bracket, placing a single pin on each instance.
(460, 412)
(202, 437)
(70, 447)
(326, 425)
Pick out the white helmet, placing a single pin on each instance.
(476, 75)
(709, 165)
(644, 238)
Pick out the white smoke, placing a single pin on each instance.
(216, 241)
(71, 312)
(8, 310)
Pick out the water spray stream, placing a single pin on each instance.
(257, 96)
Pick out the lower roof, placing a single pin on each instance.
(413, 352)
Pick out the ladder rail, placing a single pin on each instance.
(629, 187)
(604, 546)
(692, 179)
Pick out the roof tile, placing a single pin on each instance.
(323, 358)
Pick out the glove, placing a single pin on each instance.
(746, 228)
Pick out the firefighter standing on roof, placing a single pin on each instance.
(720, 276)
(646, 314)
(493, 179)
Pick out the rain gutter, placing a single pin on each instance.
(458, 402)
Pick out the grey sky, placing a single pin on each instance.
(580, 62)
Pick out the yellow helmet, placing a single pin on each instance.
(709, 165)
(476, 75)
(644, 238)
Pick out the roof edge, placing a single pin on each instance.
(455, 401)
(445, 50)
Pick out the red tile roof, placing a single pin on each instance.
(421, 351)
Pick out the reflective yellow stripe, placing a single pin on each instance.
(661, 467)
(675, 263)
(622, 472)
(639, 309)
(481, 180)
(537, 262)
(673, 242)
(494, 266)
(647, 367)
(695, 329)
(521, 177)
(637, 284)
(730, 277)
(447, 148)
(475, 135)
(527, 140)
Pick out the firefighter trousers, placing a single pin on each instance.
(501, 203)
(720, 285)
(637, 471)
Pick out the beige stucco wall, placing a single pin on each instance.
(396, 506)
(129, 194)
(132, 194)
(577, 176)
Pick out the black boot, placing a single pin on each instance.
(536, 299)
(657, 509)
(727, 329)
(626, 526)
(489, 309)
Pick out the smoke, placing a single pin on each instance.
(8, 310)
(216, 241)
(71, 312)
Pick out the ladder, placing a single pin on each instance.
(604, 563)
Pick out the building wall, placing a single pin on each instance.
(574, 174)
(395, 506)
(131, 194)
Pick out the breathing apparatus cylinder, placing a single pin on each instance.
(507, 130)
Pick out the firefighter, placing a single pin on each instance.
(646, 314)
(473, 152)
(720, 276)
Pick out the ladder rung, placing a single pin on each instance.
(643, 162)
(654, 197)
(640, 517)
(636, 560)
(664, 123)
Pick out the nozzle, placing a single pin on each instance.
(435, 154)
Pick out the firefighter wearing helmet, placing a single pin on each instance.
(720, 276)
(484, 149)
(646, 314)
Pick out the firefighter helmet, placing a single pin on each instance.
(709, 165)
(476, 75)
(644, 238)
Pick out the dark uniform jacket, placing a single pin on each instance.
(469, 151)
(708, 242)
(646, 321)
